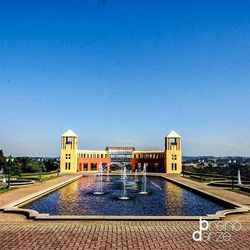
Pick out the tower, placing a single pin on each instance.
(68, 163)
(173, 153)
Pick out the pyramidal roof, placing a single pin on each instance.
(69, 133)
(173, 134)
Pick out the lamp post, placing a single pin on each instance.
(211, 169)
(9, 170)
(201, 163)
(232, 164)
(58, 169)
(40, 168)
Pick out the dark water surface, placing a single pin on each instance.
(164, 198)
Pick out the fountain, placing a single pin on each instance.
(144, 181)
(124, 177)
(100, 173)
(239, 177)
(107, 174)
(136, 176)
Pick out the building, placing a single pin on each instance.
(74, 160)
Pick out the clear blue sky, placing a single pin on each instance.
(125, 73)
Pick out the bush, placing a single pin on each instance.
(245, 189)
(206, 179)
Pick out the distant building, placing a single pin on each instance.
(74, 160)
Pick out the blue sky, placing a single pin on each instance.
(125, 73)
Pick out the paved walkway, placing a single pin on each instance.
(15, 194)
(219, 191)
(18, 233)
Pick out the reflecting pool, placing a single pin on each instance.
(162, 198)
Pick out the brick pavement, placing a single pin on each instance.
(18, 233)
(114, 235)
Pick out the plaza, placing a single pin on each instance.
(17, 232)
(62, 213)
(124, 125)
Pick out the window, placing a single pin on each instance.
(85, 166)
(68, 156)
(93, 166)
(67, 165)
(174, 166)
(101, 155)
(174, 157)
(68, 140)
(172, 141)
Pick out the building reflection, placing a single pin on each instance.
(67, 196)
(174, 198)
(75, 196)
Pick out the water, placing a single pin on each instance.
(144, 181)
(107, 178)
(124, 196)
(136, 175)
(164, 198)
(239, 178)
(100, 173)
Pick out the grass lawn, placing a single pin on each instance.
(36, 177)
(32, 176)
(204, 179)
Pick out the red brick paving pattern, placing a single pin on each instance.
(112, 235)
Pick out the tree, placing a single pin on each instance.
(2, 160)
(210, 167)
(22, 162)
(51, 164)
(35, 166)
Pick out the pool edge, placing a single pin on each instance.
(14, 207)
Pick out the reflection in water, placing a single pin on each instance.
(173, 198)
(68, 196)
(164, 198)
(72, 196)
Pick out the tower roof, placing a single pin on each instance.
(173, 134)
(69, 133)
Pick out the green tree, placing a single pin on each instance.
(35, 166)
(2, 160)
(51, 164)
(23, 163)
